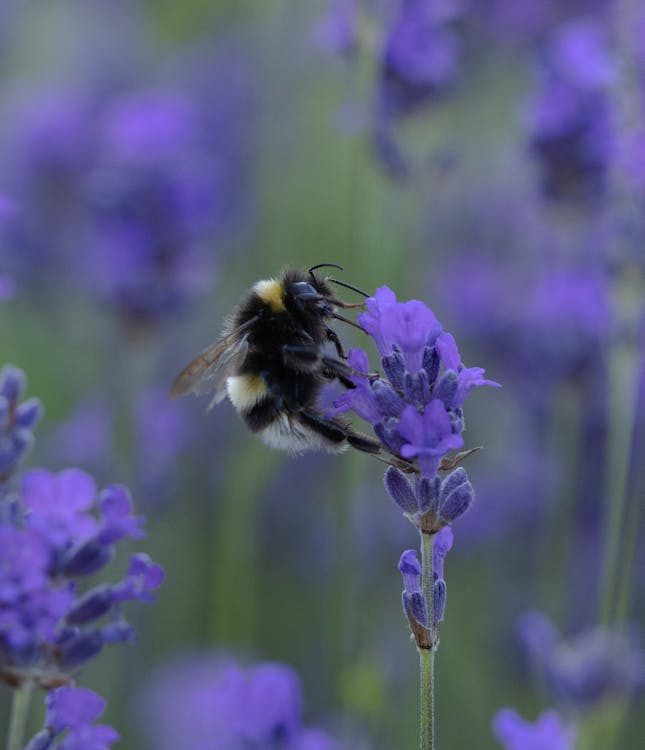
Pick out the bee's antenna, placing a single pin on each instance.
(345, 320)
(347, 286)
(325, 265)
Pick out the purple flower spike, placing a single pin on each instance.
(400, 490)
(549, 732)
(428, 436)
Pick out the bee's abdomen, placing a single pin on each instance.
(255, 403)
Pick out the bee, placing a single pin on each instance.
(271, 361)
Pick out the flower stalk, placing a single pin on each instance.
(19, 714)
(427, 655)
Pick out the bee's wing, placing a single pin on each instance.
(210, 369)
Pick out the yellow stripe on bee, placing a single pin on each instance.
(245, 390)
(271, 292)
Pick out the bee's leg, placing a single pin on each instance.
(330, 429)
(333, 337)
(337, 431)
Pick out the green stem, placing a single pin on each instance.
(19, 714)
(426, 656)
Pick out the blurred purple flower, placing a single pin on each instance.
(51, 142)
(210, 699)
(569, 118)
(50, 537)
(420, 58)
(152, 200)
(580, 673)
(338, 30)
(163, 431)
(16, 420)
(549, 732)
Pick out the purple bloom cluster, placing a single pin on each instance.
(72, 711)
(51, 538)
(152, 199)
(548, 732)
(569, 118)
(417, 61)
(420, 56)
(416, 411)
(127, 195)
(581, 673)
(16, 421)
(209, 701)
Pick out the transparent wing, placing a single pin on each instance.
(210, 369)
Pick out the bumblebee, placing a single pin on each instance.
(271, 361)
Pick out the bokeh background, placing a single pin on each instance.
(156, 158)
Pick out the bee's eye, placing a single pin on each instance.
(304, 292)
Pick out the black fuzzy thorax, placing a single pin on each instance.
(294, 383)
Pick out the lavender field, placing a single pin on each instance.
(168, 581)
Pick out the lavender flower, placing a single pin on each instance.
(569, 118)
(151, 202)
(16, 420)
(581, 673)
(48, 629)
(209, 699)
(73, 710)
(420, 56)
(548, 732)
(417, 410)
(51, 536)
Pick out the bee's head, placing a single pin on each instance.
(313, 298)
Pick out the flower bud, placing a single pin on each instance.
(86, 558)
(78, 650)
(394, 368)
(388, 400)
(400, 490)
(438, 600)
(427, 492)
(416, 388)
(431, 363)
(455, 500)
(92, 605)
